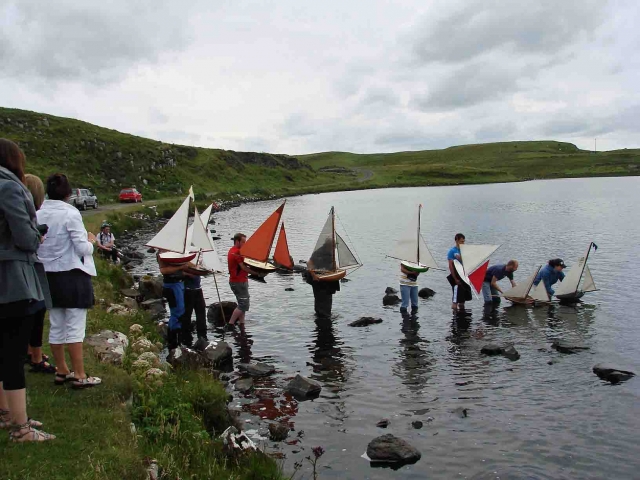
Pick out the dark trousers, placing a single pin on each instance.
(35, 339)
(193, 300)
(323, 299)
(112, 254)
(14, 340)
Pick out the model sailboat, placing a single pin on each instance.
(207, 260)
(474, 264)
(412, 249)
(578, 279)
(257, 248)
(526, 293)
(175, 236)
(331, 256)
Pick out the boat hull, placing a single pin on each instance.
(262, 269)
(415, 267)
(331, 276)
(570, 297)
(530, 302)
(177, 258)
(198, 271)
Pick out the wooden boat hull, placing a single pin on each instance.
(415, 267)
(525, 301)
(570, 297)
(262, 269)
(198, 271)
(177, 258)
(331, 276)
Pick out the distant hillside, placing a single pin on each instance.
(106, 161)
(483, 163)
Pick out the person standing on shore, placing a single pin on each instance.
(461, 291)
(194, 300)
(239, 279)
(494, 274)
(173, 291)
(19, 242)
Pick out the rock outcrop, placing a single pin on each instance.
(214, 313)
(303, 387)
(392, 450)
(109, 345)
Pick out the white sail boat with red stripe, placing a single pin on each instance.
(474, 263)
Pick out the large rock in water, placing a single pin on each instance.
(508, 351)
(219, 353)
(214, 314)
(390, 449)
(257, 369)
(390, 300)
(364, 321)
(303, 387)
(566, 347)
(150, 287)
(109, 345)
(278, 432)
(183, 357)
(244, 385)
(426, 293)
(612, 374)
(390, 291)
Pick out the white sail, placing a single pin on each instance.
(572, 278)
(173, 236)
(426, 258)
(206, 215)
(539, 293)
(346, 258)
(588, 284)
(200, 239)
(475, 255)
(522, 289)
(407, 246)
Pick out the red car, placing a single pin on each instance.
(130, 195)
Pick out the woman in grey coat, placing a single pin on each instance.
(22, 295)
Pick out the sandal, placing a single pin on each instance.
(86, 382)
(42, 367)
(62, 378)
(6, 424)
(27, 361)
(19, 434)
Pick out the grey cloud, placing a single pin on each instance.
(379, 96)
(70, 41)
(523, 27)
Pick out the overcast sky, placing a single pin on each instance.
(296, 76)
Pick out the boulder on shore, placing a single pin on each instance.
(214, 312)
(426, 293)
(390, 300)
(303, 387)
(244, 385)
(611, 373)
(364, 321)
(219, 353)
(257, 369)
(155, 306)
(150, 287)
(393, 450)
(566, 347)
(187, 358)
(109, 345)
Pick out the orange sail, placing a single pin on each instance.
(258, 246)
(281, 256)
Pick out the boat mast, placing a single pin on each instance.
(418, 239)
(584, 265)
(333, 240)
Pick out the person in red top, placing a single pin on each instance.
(238, 278)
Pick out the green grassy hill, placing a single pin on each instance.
(106, 161)
(484, 163)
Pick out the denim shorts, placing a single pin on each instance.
(241, 291)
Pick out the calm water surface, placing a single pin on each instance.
(526, 419)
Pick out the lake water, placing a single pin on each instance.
(526, 419)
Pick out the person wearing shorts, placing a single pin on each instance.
(239, 279)
(461, 290)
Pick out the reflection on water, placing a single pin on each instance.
(537, 417)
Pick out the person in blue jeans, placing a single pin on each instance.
(408, 289)
(173, 291)
(490, 287)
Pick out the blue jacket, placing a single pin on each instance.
(549, 276)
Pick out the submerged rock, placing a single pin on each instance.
(384, 423)
(390, 291)
(257, 369)
(288, 289)
(511, 353)
(612, 374)
(507, 351)
(364, 321)
(303, 387)
(417, 424)
(566, 347)
(244, 385)
(491, 349)
(390, 300)
(461, 412)
(278, 432)
(426, 293)
(214, 312)
(390, 449)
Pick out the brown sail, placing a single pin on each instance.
(258, 246)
